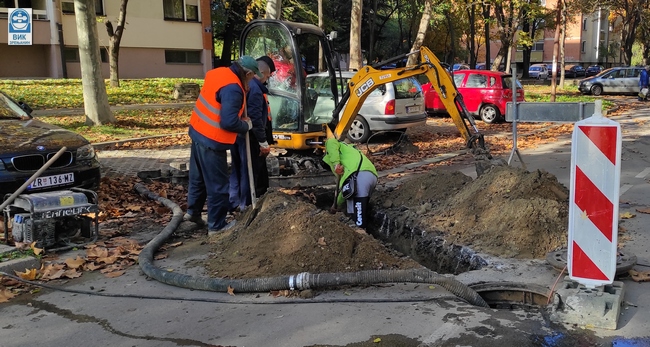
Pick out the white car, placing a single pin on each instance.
(394, 106)
(539, 71)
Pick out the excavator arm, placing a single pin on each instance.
(370, 77)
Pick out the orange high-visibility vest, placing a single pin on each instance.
(206, 116)
(268, 107)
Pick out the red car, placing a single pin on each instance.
(484, 92)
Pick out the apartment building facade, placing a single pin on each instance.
(162, 38)
(588, 38)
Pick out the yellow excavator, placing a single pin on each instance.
(303, 116)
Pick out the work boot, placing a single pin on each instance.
(227, 227)
(194, 219)
(361, 214)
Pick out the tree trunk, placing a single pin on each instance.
(422, 32)
(373, 19)
(96, 105)
(526, 49)
(114, 39)
(274, 9)
(472, 34)
(563, 21)
(355, 35)
(321, 63)
(486, 32)
(556, 50)
(228, 37)
(452, 38)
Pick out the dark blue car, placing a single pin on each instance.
(594, 70)
(27, 143)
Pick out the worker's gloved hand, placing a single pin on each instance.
(264, 149)
(339, 169)
(249, 122)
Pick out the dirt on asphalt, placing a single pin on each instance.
(506, 212)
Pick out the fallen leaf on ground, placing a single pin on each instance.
(377, 340)
(638, 276)
(160, 256)
(643, 210)
(75, 263)
(29, 275)
(176, 244)
(71, 273)
(5, 295)
(321, 241)
(36, 250)
(52, 271)
(231, 290)
(97, 252)
(115, 274)
(91, 266)
(627, 215)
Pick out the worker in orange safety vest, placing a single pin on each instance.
(217, 118)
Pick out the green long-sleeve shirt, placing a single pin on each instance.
(337, 152)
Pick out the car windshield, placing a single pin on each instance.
(9, 109)
(506, 81)
(534, 68)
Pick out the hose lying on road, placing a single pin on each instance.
(300, 281)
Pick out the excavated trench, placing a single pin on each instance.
(431, 251)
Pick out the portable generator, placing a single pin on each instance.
(54, 220)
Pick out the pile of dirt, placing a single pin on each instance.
(506, 212)
(288, 235)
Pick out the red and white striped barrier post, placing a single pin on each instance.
(593, 204)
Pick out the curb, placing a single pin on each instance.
(103, 145)
(60, 112)
(20, 265)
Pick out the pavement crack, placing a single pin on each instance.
(106, 325)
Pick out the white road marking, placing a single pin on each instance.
(643, 173)
(624, 188)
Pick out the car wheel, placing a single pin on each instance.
(490, 114)
(359, 130)
(596, 90)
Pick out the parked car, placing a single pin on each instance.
(481, 66)
(574, 71)
(484, 92)
(457, 67)
(27, 143)
(393, 106)
(593, 70)
(539, 71)
(617, 80)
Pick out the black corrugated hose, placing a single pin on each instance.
(300, 281)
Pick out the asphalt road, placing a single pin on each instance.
(400, 317)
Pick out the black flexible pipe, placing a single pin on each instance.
(300, 281)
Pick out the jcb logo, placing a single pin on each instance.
(364, 87)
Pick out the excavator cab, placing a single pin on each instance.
(294, 48)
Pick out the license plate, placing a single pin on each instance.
(54, 180)
(412, 109)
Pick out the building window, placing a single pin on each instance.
(182, 57)
(583, 46)
(538, 46)
(16, 3)
(185, 10)
(71, 55)
(67, 7)
(584, 24)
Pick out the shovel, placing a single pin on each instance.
(332, 209)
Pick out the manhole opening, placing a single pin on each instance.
(430, 250)
(512, 296)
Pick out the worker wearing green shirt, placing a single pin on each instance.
(345, 160)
